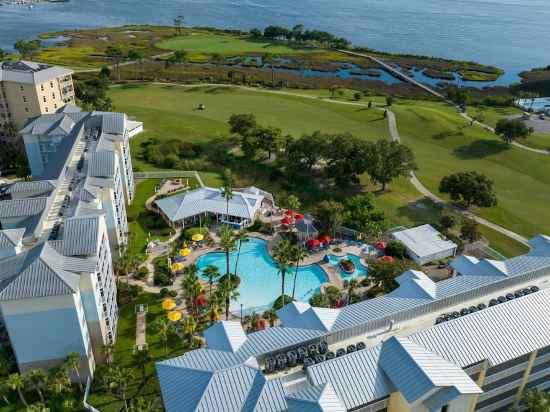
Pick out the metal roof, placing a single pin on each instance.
(320, 398)
(415, 371)
(80, 235)
(202, 200)
(102, 164)
(39, 272)
(424, 240)
(33, 188)
(22, 207)
(10, 238)
(30, 72)
(225, 336)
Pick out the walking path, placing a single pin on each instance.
(140, 330)
(426, 192)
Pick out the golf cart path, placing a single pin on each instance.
(394, 133)
(426, 192)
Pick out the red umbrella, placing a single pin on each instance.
(201, 301)
(289, 212)
(298, 216)
(286, 221)
(388, 259)
(325, 239)
(313, 243)
(380, 245)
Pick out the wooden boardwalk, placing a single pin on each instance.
(397, 73)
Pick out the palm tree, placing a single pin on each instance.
(141, 358)
(298, 253)
(115, 54)
(73, 363)
(281, 255)
(271, 316)
(240, 237)
(189, 327)
(350, 285)
(163, 327)
(227, 189)
(37, 377)
(38, 407)
(16, 383)
(108, 352)
(58, 381)
(214, 302)
(118, 380)
(212, 273)
(227, 243)
(4, 392)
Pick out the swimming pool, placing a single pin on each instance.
(260, 281)
(360, 269)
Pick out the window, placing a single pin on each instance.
(27, 109)
(42, 87)
(55, 106)
(24, 99)
(22, 88)
(53, 95)
(46, 110)
(44, 98)
(51, 85)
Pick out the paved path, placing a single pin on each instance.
(392, 124)
(426, 192)
(492, 130)
(140, 329)
(126, 63)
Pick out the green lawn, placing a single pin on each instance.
(444, 143)
(430, 128)
(204, 42)
(170, 112)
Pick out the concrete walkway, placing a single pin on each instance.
(141, 340)
(426, 192)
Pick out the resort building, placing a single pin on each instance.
(30, 89)
(468, 343)
(57, 236)
(424, 244)
(191, 208)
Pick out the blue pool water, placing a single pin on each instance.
(360, 269)
(260, 281)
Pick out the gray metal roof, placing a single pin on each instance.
(424, 240)
(30, 72)
(39, 272)
(320, 398)
(101, 164)
(210, 200)
(415, 371)
(22, 207)
(10, 238)
(80, 235)
(112, 123)
(33, 188)
(226, 336)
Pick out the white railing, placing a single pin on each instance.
(169, 173)
(87, 406)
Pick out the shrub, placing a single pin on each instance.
(396, 249)
(189, 233)
(162, 279)
(141, 273)
(447, 222)
(357, 96)
(389, 100)
(281, 301)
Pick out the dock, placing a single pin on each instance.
(397, 73)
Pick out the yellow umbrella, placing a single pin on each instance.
(185, 252)
(176, 267)
(197, 237)
(174, 316)
(168, 304)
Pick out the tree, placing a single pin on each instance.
(350, 286)
(469, 230)
(141, 358)
(108, 353)
(228, 182)
(162, 326)
(212, 273)
(388, 160)
(58, 381)
(27, 48)
(189, 327)
(242, 124)
(4, 392)
(512, 129)
(536, 401)
(73, 363)
(256, 33)
(116, 55)
(396, 249)
(17, 383)
(297, 32)
(2, 54)
(179, 56)
(137, 56)
(297, 254)
(478, 116)
(38, 407)
(227, 244)
(447, 222)
(178, 22)
(361, 214)
(271, 316)
(117, 380)
(347, 158)
(37, 378)
(269, 139)
(470, 188)
(240, 237)
(382, 275)
(329, 215)
(282, 254)
(389, 101)
(307, 151)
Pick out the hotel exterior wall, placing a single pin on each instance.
(46, 329)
